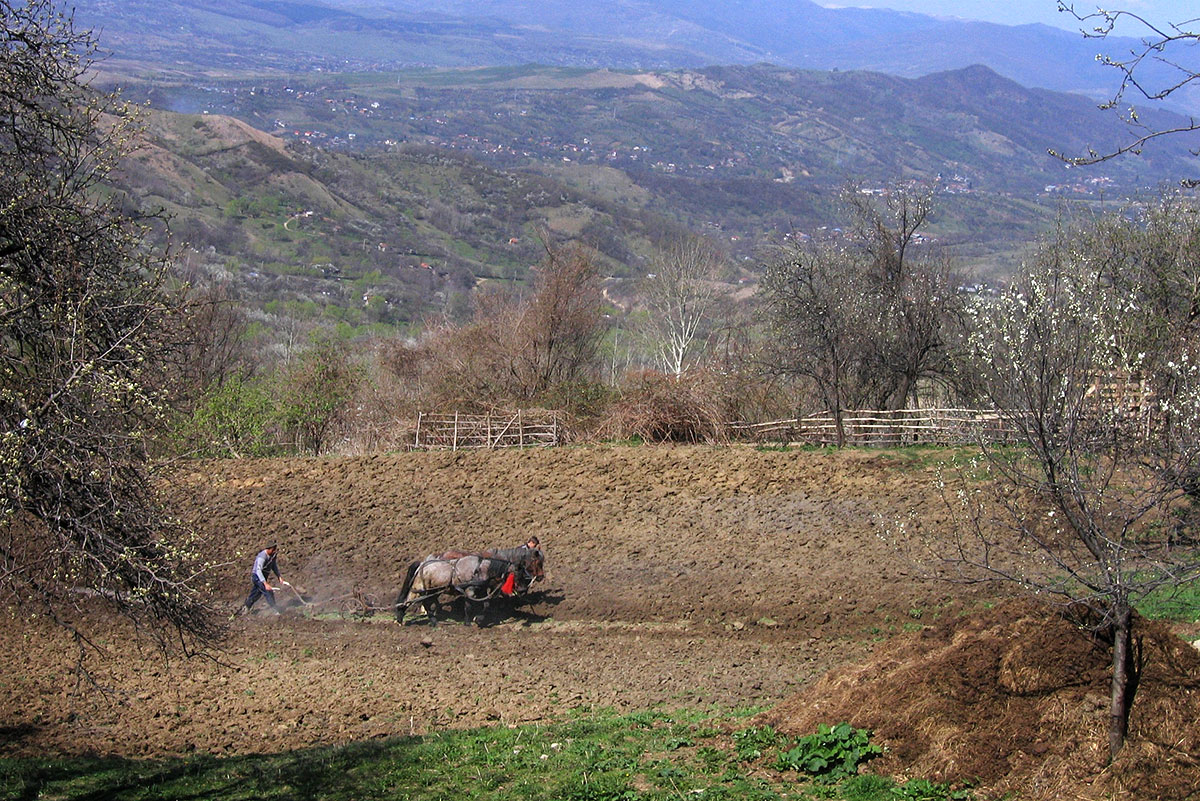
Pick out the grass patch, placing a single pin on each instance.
(777, 447)
(595, 756)
(1181, 603)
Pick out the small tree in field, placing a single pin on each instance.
(816, 322)
(912, 303)
(315, 394)
(520, 345)
(864, 318)
(83, 329)
(1093, 358)
(559, 329)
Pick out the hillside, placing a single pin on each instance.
(718, 124)
(381, 201)
(380, 239)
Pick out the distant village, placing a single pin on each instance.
(334, 103)
(584, 150)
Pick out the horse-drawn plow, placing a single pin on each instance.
(358, 606)
(475, 579)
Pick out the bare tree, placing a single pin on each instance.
(863, 317)
(215, 347)
(887, 233)
(815, 322)
(909, 283)
(1100, 383)
(84, 324)
(517, 347)
(560, 330)
(1160, 66)
(679, 295)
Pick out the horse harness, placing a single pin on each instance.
(478, 580)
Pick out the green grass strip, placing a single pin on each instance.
(597, 756)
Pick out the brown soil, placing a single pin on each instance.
(1016, 699)
(681, 576)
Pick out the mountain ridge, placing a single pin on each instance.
(328, 35)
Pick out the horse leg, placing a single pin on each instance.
(471, 605)
(406, 590)
(475, 609)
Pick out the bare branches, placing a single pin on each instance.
(1160, 66)
(520, 348)
(864, 317)
(679, 295)
(560, 326)
(1135, 147)
(817, 321)
(83, 326)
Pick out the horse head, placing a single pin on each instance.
(532, 566)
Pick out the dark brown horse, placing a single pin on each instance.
(476, 577)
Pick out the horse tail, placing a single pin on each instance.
(409, 577)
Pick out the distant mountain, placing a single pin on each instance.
(340, 35)
(715, 124)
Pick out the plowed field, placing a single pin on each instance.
(683, 576)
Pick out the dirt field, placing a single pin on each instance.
(682, 576)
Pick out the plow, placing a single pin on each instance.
(358, 604)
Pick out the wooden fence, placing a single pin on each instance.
(867, 428)
(883, 429)
(516, 430)
(886, 429)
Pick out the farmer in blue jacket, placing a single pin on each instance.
(264, 565)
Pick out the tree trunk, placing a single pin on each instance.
(1122, 679)
(839, 427)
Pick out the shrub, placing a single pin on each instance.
(752, 742)
(316, 394)
(232, 420)
(833, 753)
(925, 790)
(659, 408)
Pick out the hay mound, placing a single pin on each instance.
(1015, 700)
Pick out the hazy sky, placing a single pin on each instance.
(1015, 12)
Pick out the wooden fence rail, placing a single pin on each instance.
(884, 428)
(867, 428)
(509, 430)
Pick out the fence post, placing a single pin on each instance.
(454, 436)
(520, 428)
(417, 436)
